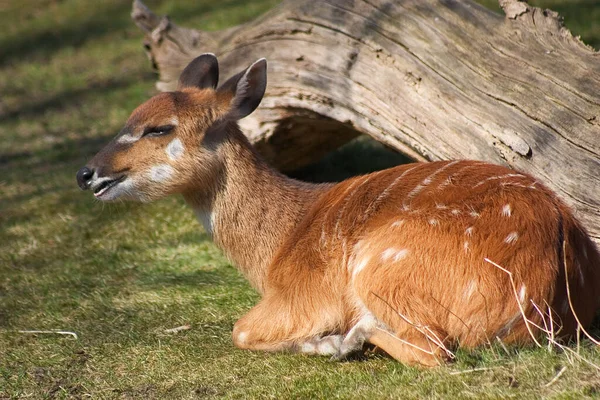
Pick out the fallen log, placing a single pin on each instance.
(433, 79)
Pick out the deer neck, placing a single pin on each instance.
(251, 208)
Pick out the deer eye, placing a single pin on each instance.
(158, 130)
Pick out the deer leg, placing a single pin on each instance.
(323, 346)
(272, 326)
(408, 346)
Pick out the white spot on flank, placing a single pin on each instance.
(470, 289)
(456, 211)
(440, 206)
(360, 266)
(474, 214)
(466, 247)
(499, 177)
(511, 238)
(175, 149)
(426, 182)
(469, 231)
(398, 223)
(433, 221)
(397, 255)
(161, 173)
(387, 254)
(522, 294)
(506, 211)
(400, 255)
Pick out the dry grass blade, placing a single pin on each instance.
(178, 329)
(556, 377)
(579, 325)
(56, 332)
(468, 371)
(424, 330)
(514, 288)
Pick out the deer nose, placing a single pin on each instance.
(84, 177)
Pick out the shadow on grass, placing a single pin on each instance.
(73, 97)
(75, 33)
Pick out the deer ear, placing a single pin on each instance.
(246, 88)
(202, 72)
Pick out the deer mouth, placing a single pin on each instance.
(107, 185)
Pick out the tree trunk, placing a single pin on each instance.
(433, 79)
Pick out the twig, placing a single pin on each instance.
(558, 375)
(467, 371)
(514, 288)
(503, 346)
(55, 331)
(579, 324)
(178, 329)
(421, 329)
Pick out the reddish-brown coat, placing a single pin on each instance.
(381, 258)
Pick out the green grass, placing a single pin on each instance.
(119, 275)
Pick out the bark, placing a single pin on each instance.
(435, 80)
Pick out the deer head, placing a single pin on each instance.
(169, 143)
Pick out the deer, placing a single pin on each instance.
(413, 260)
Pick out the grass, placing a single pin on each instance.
(119, 275)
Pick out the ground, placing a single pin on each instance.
(119, 275)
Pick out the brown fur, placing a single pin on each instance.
(406, 246)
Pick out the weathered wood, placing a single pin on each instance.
(433, 79)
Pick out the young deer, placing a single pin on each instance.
(413, 259)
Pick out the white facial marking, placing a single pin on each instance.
(127, 138)
(522, 294)
(161, 173)
(511, 238)
(506, 210)
(175, 149)
(469, 231)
